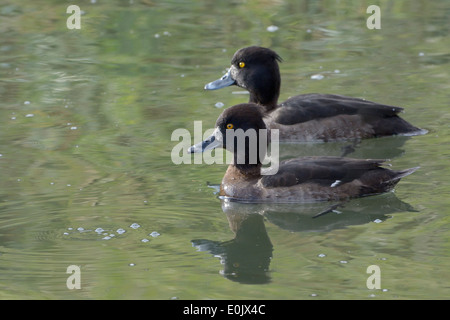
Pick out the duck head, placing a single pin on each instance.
(256, 70)
(241, 130)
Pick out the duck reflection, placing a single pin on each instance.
(380, 148)
(246, 257)
(323, 217)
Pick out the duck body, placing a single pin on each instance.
(309, 117)
(311, 179)
(326, 117)
(306, 179)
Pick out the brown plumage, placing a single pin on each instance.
(303, 179)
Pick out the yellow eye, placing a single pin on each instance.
(230, 126)
(241, 64)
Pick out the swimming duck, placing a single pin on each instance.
(308, 117)
(306, 179)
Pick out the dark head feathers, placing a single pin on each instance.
(255, 54)
(242, 116)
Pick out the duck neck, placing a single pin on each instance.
(246, 168)
(267, 90)
(246, 171)
(268, 103)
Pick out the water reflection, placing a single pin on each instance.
(379, 148)
(246, 257)
(331, 216)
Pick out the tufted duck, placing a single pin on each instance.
(309, 117)
(305, 179)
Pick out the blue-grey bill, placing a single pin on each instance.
(225, 81)
(212, 142)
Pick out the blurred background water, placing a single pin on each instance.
(86, 118)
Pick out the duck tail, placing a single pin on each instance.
(391, 178)
(403, 173)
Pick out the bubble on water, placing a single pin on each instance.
(321, 255)
(343, 261)
(272, 28)
(145, 240)
(27, 102)
(106, 238)
(377, 221)
(317, 77)
(120, 231)
(219, 104)
(134, 225)
(29, 115)
(131, 264)
(421, 54)
(154, 234)
(80, 229)
(99, 230)
(73, 128)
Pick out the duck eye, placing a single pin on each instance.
(241, 64)
(230, 126)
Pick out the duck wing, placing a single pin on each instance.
(357, 177)
(322, 170)
(314, 106)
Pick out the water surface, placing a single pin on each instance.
(86, 118)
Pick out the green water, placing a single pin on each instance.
(86, 118)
